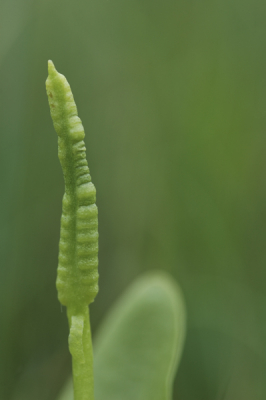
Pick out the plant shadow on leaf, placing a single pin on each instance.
(139, 345)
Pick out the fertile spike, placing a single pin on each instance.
(77, 273)
(78, 247)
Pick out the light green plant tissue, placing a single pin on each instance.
(139, 345)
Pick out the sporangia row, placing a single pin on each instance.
(78, 246)
(77, 273)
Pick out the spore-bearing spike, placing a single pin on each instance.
(78, 247)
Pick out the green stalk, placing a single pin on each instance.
(77, 273)
(83, 362)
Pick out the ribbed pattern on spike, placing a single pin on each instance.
(77, 277)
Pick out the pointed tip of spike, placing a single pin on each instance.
(51, 68)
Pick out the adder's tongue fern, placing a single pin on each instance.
(77, 273)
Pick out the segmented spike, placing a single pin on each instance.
(77, 276)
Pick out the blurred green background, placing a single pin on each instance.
(172, 95)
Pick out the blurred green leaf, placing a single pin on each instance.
(139, 345)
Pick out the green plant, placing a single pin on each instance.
(138, 348)
(77, 277)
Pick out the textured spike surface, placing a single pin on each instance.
(77, 273)
(78, 247)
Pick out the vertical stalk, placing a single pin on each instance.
(77, 273)
(82, 367)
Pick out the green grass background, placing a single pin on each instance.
(172, 95)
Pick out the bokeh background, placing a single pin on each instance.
(172, 95)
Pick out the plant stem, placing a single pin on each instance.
(82, 367)
(77, 273)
